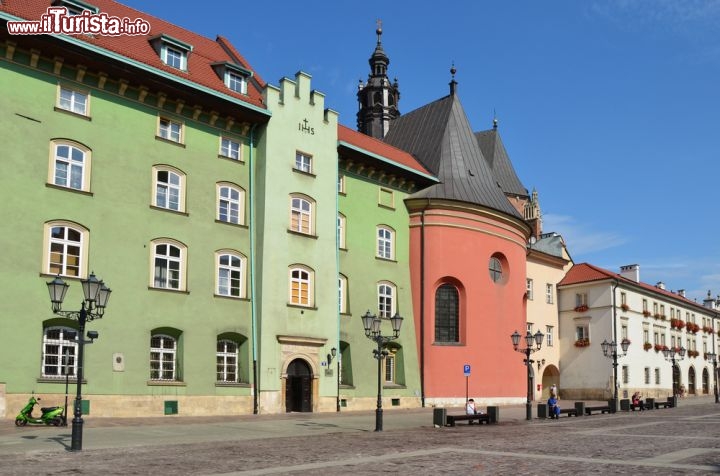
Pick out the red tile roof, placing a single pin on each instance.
(586, 273)
(205, 51)
(370, 144)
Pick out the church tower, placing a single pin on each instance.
(377, 98)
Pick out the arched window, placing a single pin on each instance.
(70, 165)
(386, 299)
(227, 361)
(301, 286)
(230, 274)
(163, 357)
(342, 294)
(385, 242)
(168, 264)
(169, 186)
(341, 231)
(301, 214)
(66, 249)
(231, 203)
(447, 314)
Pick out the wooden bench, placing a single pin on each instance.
(603, 409)
(665, 404)
(565, 411)
(480, 417)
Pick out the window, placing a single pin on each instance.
(169, 185)
(495, 268)
(623, 299)
(59, 351)
(236, 82)
(657, 376)
(73, 101)
(341, 184)
(623, 332)
(385, 242)
(390, 367)
(66, 249)
(656, 337)
(647, 375)
(174, 57)
(163, 357)
(549, 333)
(227, 361)
(549, 294)
(230, 148)
(580, 300)
(170, 130)
(168, 265)
(69, 165)
(230, 274)
(301, 286)
(645, 305)
(581, 332)
(231, 206)
(342, 294)
(341, 231)
(646, 335)
(447, 314)
(386, 198)
(301, 215)
(303, 162)
(529, 327)
(386, 299)
(625, 374)
(529, 288)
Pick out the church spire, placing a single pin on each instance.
(378, 97)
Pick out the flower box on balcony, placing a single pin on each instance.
(625, 307)
(582, 342)
(659, 347)
(647, 346)
(646, 313)
(708, 329)
(656, 315)
(581, 308)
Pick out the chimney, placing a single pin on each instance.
(631, 272)
(681, 292)
(660, 285)
(709, 301)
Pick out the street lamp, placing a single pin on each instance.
(712, 357)
(372, 324)
(610, 351)
(93, 307)
(670, 354)
(529, 341)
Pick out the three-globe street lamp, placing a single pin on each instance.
(712, 357)
(93, 307)
(372, 324)
(529, 349)
(673, 355)
(610, 351)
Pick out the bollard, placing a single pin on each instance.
(439, 415)
(542, 410)
(625, 405)
(494, 414)
(580, 407)
(650, 404)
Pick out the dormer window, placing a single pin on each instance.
(234, 76)
(172, 52)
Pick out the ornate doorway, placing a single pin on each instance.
(298, 388)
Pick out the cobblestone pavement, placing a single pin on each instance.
(683, 440)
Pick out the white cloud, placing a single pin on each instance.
(580, 238)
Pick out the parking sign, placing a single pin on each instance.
(466, 370)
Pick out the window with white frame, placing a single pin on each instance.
(303, 162)
(581, 332)
(230, 274)
(73, 100)
(529, 288)
(549, 293)
(625, 374)
(69, 165)
(391, 366)
(646, 335)
(623, 332)
(66, 249)
(623, 299)
(645, 305)
(657, 376)
(169, 186)
(236, 82)
(580, 299)
(549, 335)
(301, 286)
(529, 327)
(341, 231)
(647, 375)
(170, 130)
(59, 350)
(341, 184)
(385, 242)
(301, 214)
(656, 337)
(342, 294)
(230, 148)
(168, 270)
(174, 57)
(226, 358)
(231, 204)
(386, 299)
(163, 357)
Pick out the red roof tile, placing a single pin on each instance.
(370, 144)
(205, 51)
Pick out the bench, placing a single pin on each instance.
(480, 417)
(663, 404)
(603, 409)
(639, 406)
(567, 411)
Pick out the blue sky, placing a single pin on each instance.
(610, 109)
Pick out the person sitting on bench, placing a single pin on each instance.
(637, 401)
(553, 407)
(471, 409)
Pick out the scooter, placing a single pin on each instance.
(50, 415)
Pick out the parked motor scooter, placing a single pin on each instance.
(50, 415)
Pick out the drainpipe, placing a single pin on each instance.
(337, 274)
(422, 303)
(253, 310)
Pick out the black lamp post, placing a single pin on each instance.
(610, 351)
(529, 349)
(712, 357)
(93, 307)
(330, 357)
(372, 324)
(670, 356)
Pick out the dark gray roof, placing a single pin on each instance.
(439, 136)
(497, 158)
(550, 243)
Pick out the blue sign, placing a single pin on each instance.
(466, 370)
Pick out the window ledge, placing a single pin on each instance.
(343, 249)
(391, 386)
(302, 172)
(233, 384)
(389, 260)
(225, 157)
(169, 141)
(72, 380)
(239, 225)
(449, 344)
(68, 189)
(387, 207)
(168, 290)
(73, 113)
(233, 298)
(166, 383)
(347, 386)
(176, 212)
(299, 233)
(346, 314)
(299, 306)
